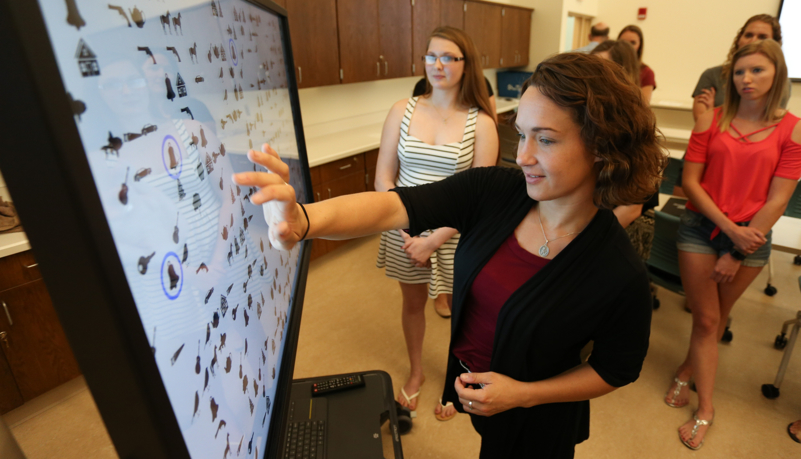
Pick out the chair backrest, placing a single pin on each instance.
(794, 206)
(664, 254)
(671, 175)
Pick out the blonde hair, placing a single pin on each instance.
(771, 50)
(472, 88)
(776, 28)
(622, 53)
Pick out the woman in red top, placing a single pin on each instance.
(741, 167)
(633, 35)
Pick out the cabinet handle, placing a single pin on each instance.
(318, 197)
(377, 68)
(300, 74)
(8, 314)
(386, 68)
(345, 167)
(329, 193)
(32, 266)
(4, 339)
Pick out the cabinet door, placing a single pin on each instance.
(396, 38)
(281, 2)
(452, 13)
(38, 352)
(10, 397)
(482, 21)
(359, 40)
(510, 36)
(524, 37)
(425, 18)
(313, 30)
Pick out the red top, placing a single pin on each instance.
(647, 77)
(738, 172)
(507, 271)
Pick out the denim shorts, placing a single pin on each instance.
(695, 230)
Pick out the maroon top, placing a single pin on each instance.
(647, 77)
(507, 271)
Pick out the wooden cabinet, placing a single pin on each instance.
(452, 13)
(375, 38)
(427, 15)
(345, 176)
(313, 31)
(515, 35)
(281, 2)
(36, 356)
(370, 161)
(482, 21)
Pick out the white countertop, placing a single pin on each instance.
(12, 243)
(328, 148)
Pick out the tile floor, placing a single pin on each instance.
(351, 322)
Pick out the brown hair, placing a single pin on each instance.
(616, 125)
(596, 32)
(638, 31)
(623, 54)
(472, 88)
(767, 19)
(771, 50)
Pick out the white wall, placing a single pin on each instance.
(685, 37)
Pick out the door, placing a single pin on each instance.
(313, 30)
(510, 35)
(359, 40)
(396, 38)
(482, 21)
(37, 351)
(425, 18)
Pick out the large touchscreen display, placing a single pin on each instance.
(168, 96)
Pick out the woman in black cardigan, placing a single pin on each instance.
(543, 266)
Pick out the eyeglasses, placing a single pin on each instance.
(430, 59)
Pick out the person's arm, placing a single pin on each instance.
(493, 108)
(343, 217)
(781, 190)
(746, 239)
(703, 102)
(647, 92)
(627, 214)
(388, 163)
(485, 153)
(501, 393)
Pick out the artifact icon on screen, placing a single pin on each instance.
(114, 145)
(121, 11)
(181, 192)
(175, 231)
(214, 408)
(208, 295)
(138, 17)
(123, 195)
(73, 16)
(168, 83)
(186, 254)
(176, 354)
(143, 262)
(197, 361)
(225, 233)
(185, 109)
(180, 85)
(173, 276)
(165, 23)
(78, 106)
(202, 267)
(197, 403)
(196, 201)
(176, 23)
(228, 364)
(147, 51)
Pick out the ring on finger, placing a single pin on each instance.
(470, 404)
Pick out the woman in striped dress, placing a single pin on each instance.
(425, 139)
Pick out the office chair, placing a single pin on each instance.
(793, 210)
(771, 391)
(663, 263)
(671, 175)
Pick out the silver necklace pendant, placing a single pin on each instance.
(544, 250)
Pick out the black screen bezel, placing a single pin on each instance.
(46, 169)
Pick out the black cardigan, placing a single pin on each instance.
(595, 289)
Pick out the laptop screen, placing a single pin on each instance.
(168, 97)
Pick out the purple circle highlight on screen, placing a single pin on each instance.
(173, 282)
(171, 153)
(232, 45)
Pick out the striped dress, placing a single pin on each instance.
(421, 163)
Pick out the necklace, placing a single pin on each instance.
(444, 118)
(544, 250)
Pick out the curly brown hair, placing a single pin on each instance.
(616, 125)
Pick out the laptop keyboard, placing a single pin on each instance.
(305, 440)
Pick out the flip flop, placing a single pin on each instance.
(409, 399)
(698, 423)
(679, 385)
(791, 434)
(439, 415)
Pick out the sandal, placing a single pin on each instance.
(791, 434)
(440, 416)
(698, 423)
(679, 385)
(409, 399)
